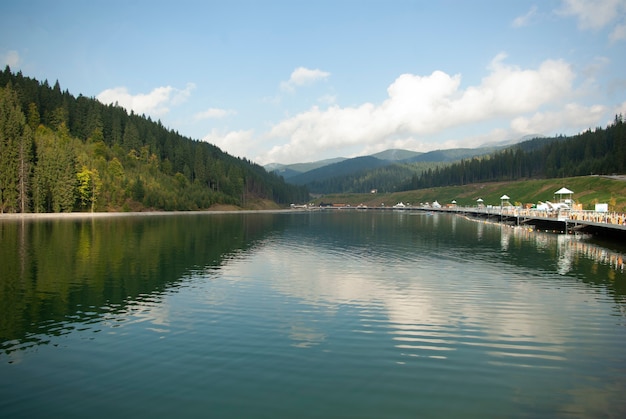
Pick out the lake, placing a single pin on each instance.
(338, 313)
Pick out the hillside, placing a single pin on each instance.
(588, 190)
(396, 155)
(290, 170)
(385, 171)
(601, 151)
(61, 153)
(342, 168)
(451, 155)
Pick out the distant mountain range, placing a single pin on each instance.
(290, 170)
(302, 173)
(341, 171)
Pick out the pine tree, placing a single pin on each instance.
(25, 155)
(55, 174)
(131, 140)
(12, 123)
(34, 119)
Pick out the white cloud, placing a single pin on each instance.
(593, 14)
(509, 89)
(618, 33)
(214, 113)
(237, 143)
(303, 76)
(572, 115)
(420, 107)
(10, 58)
(156, 103)
(525, 19)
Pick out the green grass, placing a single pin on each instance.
(588, 190)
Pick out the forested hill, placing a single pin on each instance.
(61, 153)
(598, 152)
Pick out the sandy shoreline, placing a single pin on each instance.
(91, 215)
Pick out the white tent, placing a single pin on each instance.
(504, 199)
(564, 196)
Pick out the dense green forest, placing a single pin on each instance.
(61, 153)
(598, 152)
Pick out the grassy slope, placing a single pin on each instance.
(588, 190)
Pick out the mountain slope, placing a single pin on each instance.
(450, 155)
(342, 168)
(384, 171)
(77, 154)
(601, 151)
(290, 170)
(394, 155)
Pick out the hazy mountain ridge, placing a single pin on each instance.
(390, 156)
(302, 173)
(600, 151)
(289, 170)
(396, 154)
(385, 169)
(342, 168)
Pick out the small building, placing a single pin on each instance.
(564, 196)
(504, 201)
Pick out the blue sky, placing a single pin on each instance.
(295, 81)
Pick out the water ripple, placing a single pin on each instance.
(386, 318)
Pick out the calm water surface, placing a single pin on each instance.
(312, 314)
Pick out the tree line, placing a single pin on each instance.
(61, 153)
(601, 152)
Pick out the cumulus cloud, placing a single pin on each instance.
(418, 107)
(525, 19)
(10, 58)
(214, 113)
(155, 103)
(303, 76)
(571, 115)
(593, 14)
(237, 143)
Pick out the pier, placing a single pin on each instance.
(563, 220)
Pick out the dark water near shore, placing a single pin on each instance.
(320, 314)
